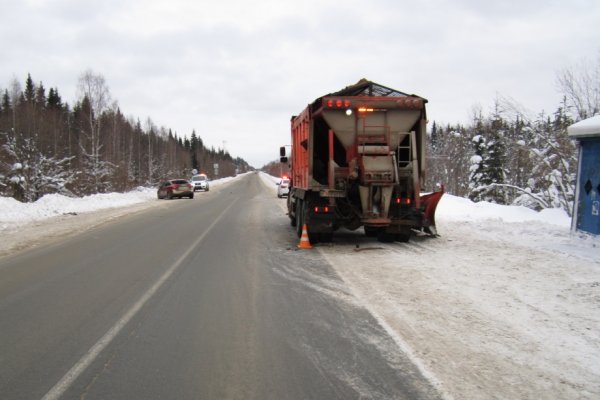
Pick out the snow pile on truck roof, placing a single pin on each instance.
(365, 87)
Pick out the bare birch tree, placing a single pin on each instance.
(93, 87)
(581, 87)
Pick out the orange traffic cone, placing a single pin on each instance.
(304, 242)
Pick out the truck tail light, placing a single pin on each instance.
(338, 103)
(321, 209)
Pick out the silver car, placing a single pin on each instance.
(283, 187)
(200, 182)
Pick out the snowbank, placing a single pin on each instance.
(52, 205)
(454, 208)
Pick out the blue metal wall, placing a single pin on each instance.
(588, 213)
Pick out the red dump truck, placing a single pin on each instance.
(357, 159)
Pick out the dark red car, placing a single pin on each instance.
(175, 188)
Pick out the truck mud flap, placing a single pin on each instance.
(429, 204)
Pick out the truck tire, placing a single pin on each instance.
(299, 217)
(370, 231)
(385, 237)
(293, 221)
(313, 237)
(403, 237)
(326, 237)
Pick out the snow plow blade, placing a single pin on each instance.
(429, 203)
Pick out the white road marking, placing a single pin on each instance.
(61, 387)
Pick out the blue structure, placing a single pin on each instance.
(586, 216)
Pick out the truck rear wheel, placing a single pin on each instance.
(313, 237)
(299, 217)
(403, 237)
(294, 219)
(326, 237)
(370, 231)
(385, 237)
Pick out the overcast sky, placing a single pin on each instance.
(237, 70)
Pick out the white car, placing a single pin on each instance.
(200, 182)
(283, 187)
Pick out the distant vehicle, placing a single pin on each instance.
(283, 187)
(175, 188)
(200, 182)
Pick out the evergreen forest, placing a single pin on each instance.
(508, 156)
(48, 146)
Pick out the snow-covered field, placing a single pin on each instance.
(505, 304)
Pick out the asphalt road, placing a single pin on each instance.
(196, 299)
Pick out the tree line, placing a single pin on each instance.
(508, 157)
(48, 146)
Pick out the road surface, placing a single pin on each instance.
(193, 299)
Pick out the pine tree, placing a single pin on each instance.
(54, 101)
(458, 153)
(478, 179)
(194, 150)
(6, 106)
(40, 96)
(496, 162)
(29, 94)
(554, 158)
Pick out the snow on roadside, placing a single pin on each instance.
(52, 205)
(26, 225)
(505, 304)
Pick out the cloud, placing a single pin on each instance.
(236, 71)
